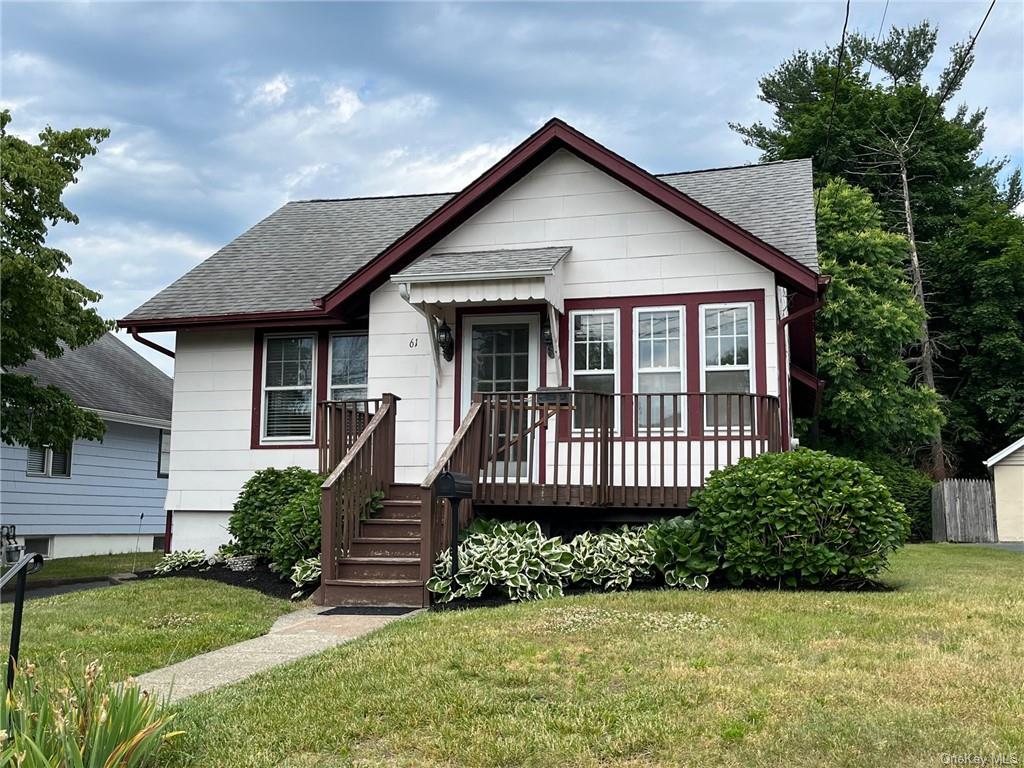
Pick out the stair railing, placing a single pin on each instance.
(367, 468)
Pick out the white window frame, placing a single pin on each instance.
(682, 362)
(330, 363)
(48, 464)
(162, 471)
(288, 439)
(616, 359)
(751, 358)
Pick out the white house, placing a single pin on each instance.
(650, 327)
(1007, 468)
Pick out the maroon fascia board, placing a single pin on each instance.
(239, 320)
(554, 135)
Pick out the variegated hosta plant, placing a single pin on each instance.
(515, 559)
(612, 559)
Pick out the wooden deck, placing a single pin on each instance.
(549, 449)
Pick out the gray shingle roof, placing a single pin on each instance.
(298, 253)
(499, 262)
(107, 375)
(305, 249)
(773, 201)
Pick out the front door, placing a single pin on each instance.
(500, 353)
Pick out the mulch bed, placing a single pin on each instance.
(261, 579)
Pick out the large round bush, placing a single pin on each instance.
(260, 503)
(297, 529)
(909, 486)
(800, 518)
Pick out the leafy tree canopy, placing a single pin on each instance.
(43, 311)
(869, 319)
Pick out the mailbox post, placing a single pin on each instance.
(454, 486)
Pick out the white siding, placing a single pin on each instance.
(622, 245)
(211, 457)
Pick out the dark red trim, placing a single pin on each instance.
(237, 320)
(320, 391)
(691, 302)
(555, 135)
(168, 531)
(149, 343)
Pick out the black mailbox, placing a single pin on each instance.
(557, 396)
(454, 486)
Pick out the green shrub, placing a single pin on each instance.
(522, 564)
(305, 571)
(296, 532)
(80, 720)
(800, 518)
(612, 559)
(909, 486)
(179, 560)
(680, 553)
(261, 501)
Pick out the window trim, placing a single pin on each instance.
(751, 365)
(329, 394)
(616, 371)
(48, 464)
(285, 440)
(160, 453)
(681, 309)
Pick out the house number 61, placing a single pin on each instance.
(414, 342)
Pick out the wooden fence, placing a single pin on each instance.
(963, 511)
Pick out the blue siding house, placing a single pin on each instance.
(101, 496)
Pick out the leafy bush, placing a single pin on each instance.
(261, 501)
(486, 525)
(612, 559)
(523, 564)
(800, 518)
(297, 528)
(306, 571)
(909, 486)
(179, 560)
(80, 721)
(680, 553)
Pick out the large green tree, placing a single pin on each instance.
(870, 318)
(892, 133)
(42, 310)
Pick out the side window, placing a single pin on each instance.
(48, 462)
(164, 463)
(594, 359)
(348, 367)
(289, 372)
(726, 362)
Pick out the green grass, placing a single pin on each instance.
(96, 565)
(661, 678)
(142, 626)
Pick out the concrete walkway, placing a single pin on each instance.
(292, 637)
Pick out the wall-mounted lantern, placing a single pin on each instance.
(446, 341)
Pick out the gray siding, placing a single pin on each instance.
(112, 483)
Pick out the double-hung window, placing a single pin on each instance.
(658, 359)
(594, 359)
(48, 462)
(727, 362)
(163, 467)
(348, 367)
(289, 376)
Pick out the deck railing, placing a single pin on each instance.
(366, 467)
(339, 423)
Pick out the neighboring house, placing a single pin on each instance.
(675, 312)
(1007, 468)
(103, 496)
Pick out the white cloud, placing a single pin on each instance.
(346, 103)
(272, 93)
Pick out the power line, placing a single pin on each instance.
(835, 92)
(878, 34)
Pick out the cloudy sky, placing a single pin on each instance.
(219, 113)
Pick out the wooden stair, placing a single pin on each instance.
(382, 568)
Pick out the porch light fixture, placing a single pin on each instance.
(446, 341)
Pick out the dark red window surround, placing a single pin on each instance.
(323, 336)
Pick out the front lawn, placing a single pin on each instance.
(657, 679)
(141, 626)
(96, 565)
